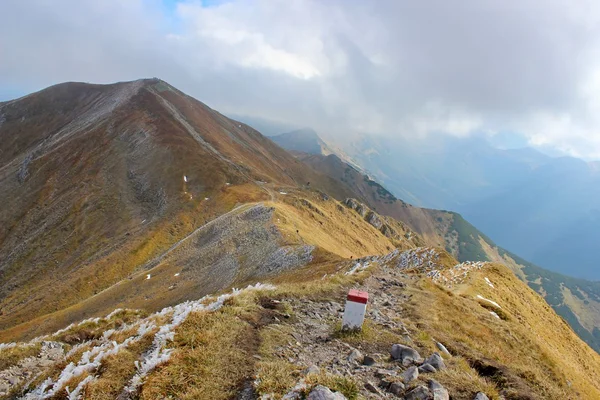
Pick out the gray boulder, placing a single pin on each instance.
(480, 396)
(418, 393)
(425, 368)
(355, 355)
(410, 374)
(439, 392)
(405, 354)
(436, 361)
(396, 388)
(321, 392)
(368, 361)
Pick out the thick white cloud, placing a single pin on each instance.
(340, 66)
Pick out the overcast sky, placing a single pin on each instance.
(468, 67)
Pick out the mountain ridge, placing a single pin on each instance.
(155, 201)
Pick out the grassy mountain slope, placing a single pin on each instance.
(575, 300)
(253, 240)
(97, 180)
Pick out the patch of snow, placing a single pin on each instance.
(284, 193)
(480, 297)
(488, 282)
(185, 178)
(494, 314)
(358, 267)
(177, 274)
(148, 276)
(227, 183)
(75, 394)
(206, 198)
(159, 354)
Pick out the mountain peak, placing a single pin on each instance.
(304, 140)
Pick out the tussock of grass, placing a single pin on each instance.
(276, 377)
(12, 356)
(212, 358)
(459, 371)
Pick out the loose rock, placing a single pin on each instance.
(481, 396)
(436, 361)
(396, 388)
(368, 361)
(323, 393)
(427, 368)
(405, 354)
(313, 369)
(418, 393)
(372, 388)
(382, 373)
(410, 374)
(439, 392)
(355, 355)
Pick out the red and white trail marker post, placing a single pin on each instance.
(354, 313)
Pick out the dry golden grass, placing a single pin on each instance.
(531, 353)
(212, 358)
(12, 356)
(321, 223)
(276, 377)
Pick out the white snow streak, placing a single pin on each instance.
(91, 360)
(158, 353)
(480, 297)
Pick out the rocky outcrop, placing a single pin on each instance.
(375, 220)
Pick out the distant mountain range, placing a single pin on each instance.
(543, 208)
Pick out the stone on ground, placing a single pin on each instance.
(418, 393)
(405, 354)
(439, 392)
(321, 392)
(436, 361)
(410, 374)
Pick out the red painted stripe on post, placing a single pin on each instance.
(357, 296)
